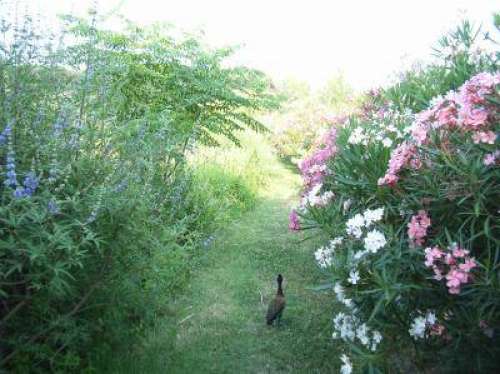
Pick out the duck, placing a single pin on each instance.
(276, 306)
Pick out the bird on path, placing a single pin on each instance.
(276, 306)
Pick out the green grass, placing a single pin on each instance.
(217, 325)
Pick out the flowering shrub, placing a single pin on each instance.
(414, 220)
(98, 222)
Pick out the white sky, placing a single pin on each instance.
(309, 40)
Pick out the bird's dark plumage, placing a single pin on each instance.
(276, 305)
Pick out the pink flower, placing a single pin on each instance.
(293, 219)
(454, 279)
(456, 262)
(459, 252)
(314, 168)
(432, 254)
(487, 137)
(474, 118)
(491, 158)
(417, 227)
(419, 133)
(449, 259)
(403, 155)
(468, 265)
(388, 179)
(448, 116)
(437, 329)
(438, 275)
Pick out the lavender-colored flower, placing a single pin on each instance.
(11, 175)
(5, 135)
(30, 183)
(19, 193)
(52, 207)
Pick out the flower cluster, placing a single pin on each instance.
(402, 156)
(11, 176)
(324, 254)
(315, 198)
(314, 168)
(467, 110)
(350, 328)
(293, 221)
(423, 326)
(5, 134)
(367, 219)
(374, 239)
(417, 227)
(346, 367)
(491, 158)
(454, 265)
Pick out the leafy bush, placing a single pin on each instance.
(410, 203)
(98, 223)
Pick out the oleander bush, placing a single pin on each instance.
(98, 223)
(408, 189)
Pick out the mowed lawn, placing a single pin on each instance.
(217, 325)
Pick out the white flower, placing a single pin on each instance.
(325, 198)
(430, 318)
(353, 277)
(374, 215)
(358, 136)
(391, 128)
(346, 205)
(339, 291)
(376, 339)
(374, 241)
(387, 142)
(354, 225)
(336, 241)
(324, 256)
(359, 254)
(417, 329)
(362, 334)
(346, 365)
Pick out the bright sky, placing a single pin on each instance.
(310, 40)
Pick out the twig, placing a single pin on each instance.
(185, 319)
(12, 312)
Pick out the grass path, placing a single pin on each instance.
(218, 325)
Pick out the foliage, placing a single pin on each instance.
(305, 115)
(98, 223)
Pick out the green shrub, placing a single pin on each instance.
(98, 221)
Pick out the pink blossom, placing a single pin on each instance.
(474, 118)
(449, 259)
(448, 116)
(432, 254)
(491, 158)
(402, 156)
(468, 265)
(293, 219)
(487, 137)
(437, 329)
(456, 263)
(454, 279)
(438, 275)
(459, 252)
(419, 133)
(314, 168)
(417, 227)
